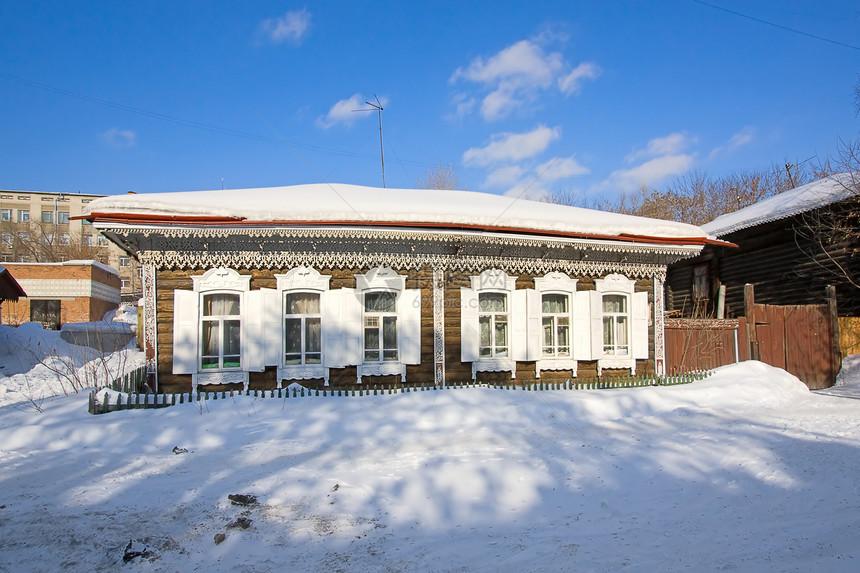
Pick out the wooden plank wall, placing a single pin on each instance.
(423, 374)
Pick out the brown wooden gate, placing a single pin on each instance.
(802, 339)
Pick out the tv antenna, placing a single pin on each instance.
(378, 107)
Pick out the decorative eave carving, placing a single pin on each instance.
(263, 248)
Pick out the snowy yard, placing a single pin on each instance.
(745, 471)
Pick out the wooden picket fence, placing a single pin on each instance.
(139, 400)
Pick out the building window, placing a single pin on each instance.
(24, 236)
(47, 217)
(46, 312)
(700, 281)
(126, 284)
(65, 239)
(87, 240)
(124, 261)
(220, 331)
(85, 222)
(23, 197)
(493, 324)
(302, 328)
(555, 318)
(48, 238)
(6, 238)
(23, 215)
(102, 241)
(616, 325)
(380, 327)
(63, 217)
(5, 214)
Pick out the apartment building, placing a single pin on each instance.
(40, 227)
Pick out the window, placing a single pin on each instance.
(65, 239)
(46, 312)
(302, 328)
(380, 327)
(126, 284)
(23, 197)
(555, 324)
(5, 214)
(124, 261)
(85, 222)
(616, 325)
(48, 238)
(220, 331)
(23, 215)
(63, 217)
(87, 240)
(47, 216)
(24, 236)
(700, 281)
(6, 238)
(102, 241)
(493, 324)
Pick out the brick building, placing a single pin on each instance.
(57, 293)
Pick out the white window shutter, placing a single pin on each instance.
(582, 326)
(519, 325)
(409, 327)
(272, 327)
(351, 317)
(534, 312)
(252, 332)
(332, 329)
(639, 312)
(186, 328)
(596, 324)
(469, 338)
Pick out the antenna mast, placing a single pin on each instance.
(378, 107)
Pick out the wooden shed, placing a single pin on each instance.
(340, 285)
(779, 251)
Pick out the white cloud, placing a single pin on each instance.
(119, 138)
(504, 176)
(292, 26)
(572, 82)
(560, 168)
(512, 146)
(516, 76)
(344, 112)
(648, 173)
(736, 141)
(672, 144)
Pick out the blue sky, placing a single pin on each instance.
(593, 97)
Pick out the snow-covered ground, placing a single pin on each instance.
(745, 471)
(36, 364)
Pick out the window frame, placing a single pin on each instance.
(615, 317)
(220, 319)
(383, 346)
(299, 280)
(637, 328)
(556, 317)
(5, 214)
(303, 318)
(492, 316)
(23, 215)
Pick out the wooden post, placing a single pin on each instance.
(836, 353)
(749, 313)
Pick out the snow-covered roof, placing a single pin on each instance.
(340, 204)
(800, 200)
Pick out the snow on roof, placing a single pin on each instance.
(805, 198)
(79, 262)
(356, 205)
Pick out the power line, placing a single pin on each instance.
(775, 25)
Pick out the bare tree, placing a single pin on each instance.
(830, 235)
(442, 177)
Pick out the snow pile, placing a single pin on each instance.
(747, 471)
(36, 363)
(805, 198)
(351, 204)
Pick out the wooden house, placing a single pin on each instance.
(339, 285)
(783, 249)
